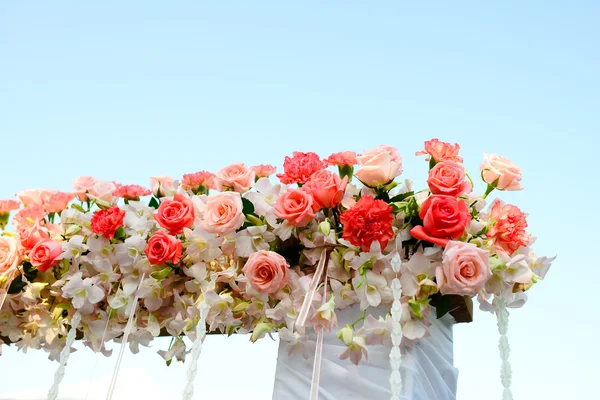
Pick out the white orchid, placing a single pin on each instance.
(83, 291)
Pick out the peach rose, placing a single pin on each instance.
(266, 271)
(162, 185)
(237, 177)
(10, 256)
(44, 254)
(505, 172)
(82, 185)
(379, 166)
(296, 207)
(464, 270)
(326, 188)
(448, 177)
(223, 213)
(176, 214)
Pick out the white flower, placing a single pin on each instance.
(356, 350)
(253, 239)
(344, 294)
(371, 289)
(417, 273)
(82, 291)
(296, 341)
(377, 331)
(202, 246)
(265, 197)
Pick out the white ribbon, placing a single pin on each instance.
(505, 370)
(395, 354)
(126, 333)
(312, 289)
(316, 376)
(10, 275)
(64, 356)
(188, 392)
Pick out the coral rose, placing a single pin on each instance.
(441, 151)
(369, 220)
(175, 214)
(266, 271)
(464, 270)
(44, 255)
(448, 177)
(223, 213)
(326, 188)
(500, 172)
(10, 256)
(444, 218)
(379, 166)
(237, 177)
(300, 167)
(163, 248)
(508, 229)
(106, 222)
(296, 207)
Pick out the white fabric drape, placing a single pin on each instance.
(427, 368)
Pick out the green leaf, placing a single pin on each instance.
(154, 203)
(18, 284)
(441, 304)
(77, 207)
(401, 197)
(248, 207)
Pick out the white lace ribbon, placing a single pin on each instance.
(188, 392)
(126, 333)
(503, 347)
(312, 289)
(395, 354)
(316, 375)
(64, 356)
(10, 275)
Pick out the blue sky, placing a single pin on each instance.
(125, 91)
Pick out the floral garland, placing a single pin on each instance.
(248, 249)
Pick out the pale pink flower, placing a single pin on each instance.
(379, 166)
(58, 201)
(102, 192)
(7, 206)
(464, 270)
(263, 170)
(500, 172)
(376, 331)
(131, 192)
(82, 185)
(344, 158)
(325, 317)
(223, 213)
(32, 197)
(237, 177)
(356, 350)
(162, 185)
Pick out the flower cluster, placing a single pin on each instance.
(249, 248)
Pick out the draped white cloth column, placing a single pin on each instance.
(427, 368)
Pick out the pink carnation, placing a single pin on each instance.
(441, 151)
(29, 215)
(300, 167)
(509, 226)
(198, 180)
(131, 192)
(58, 201)
(263, 171)
(342, 159)
(7, 206)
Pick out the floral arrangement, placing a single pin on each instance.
(262, 256)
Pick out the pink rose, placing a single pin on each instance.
(223, 213)
(44, 254)
(10, 256)
(464, 270)
(176, 214)
(379, 166)
(162, 185)
(30, 235)
(82, 185)
(296, 207)
(505, 172)
(236, 177)
(448, 177)
(326, 188)
(267, 272)
(263, 170)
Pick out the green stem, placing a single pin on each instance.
(362, 318)
(489, 190)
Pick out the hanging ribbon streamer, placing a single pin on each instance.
(64, 356)
(9, 276)
(87, 393)
(188, 392)
(316, 376)
(395, 355)
(126, 333)
(312, 289)
(505, 370)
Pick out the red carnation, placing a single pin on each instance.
(106, 222)
(300, 167)
(367, 221)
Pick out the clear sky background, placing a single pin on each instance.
(124, 91)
